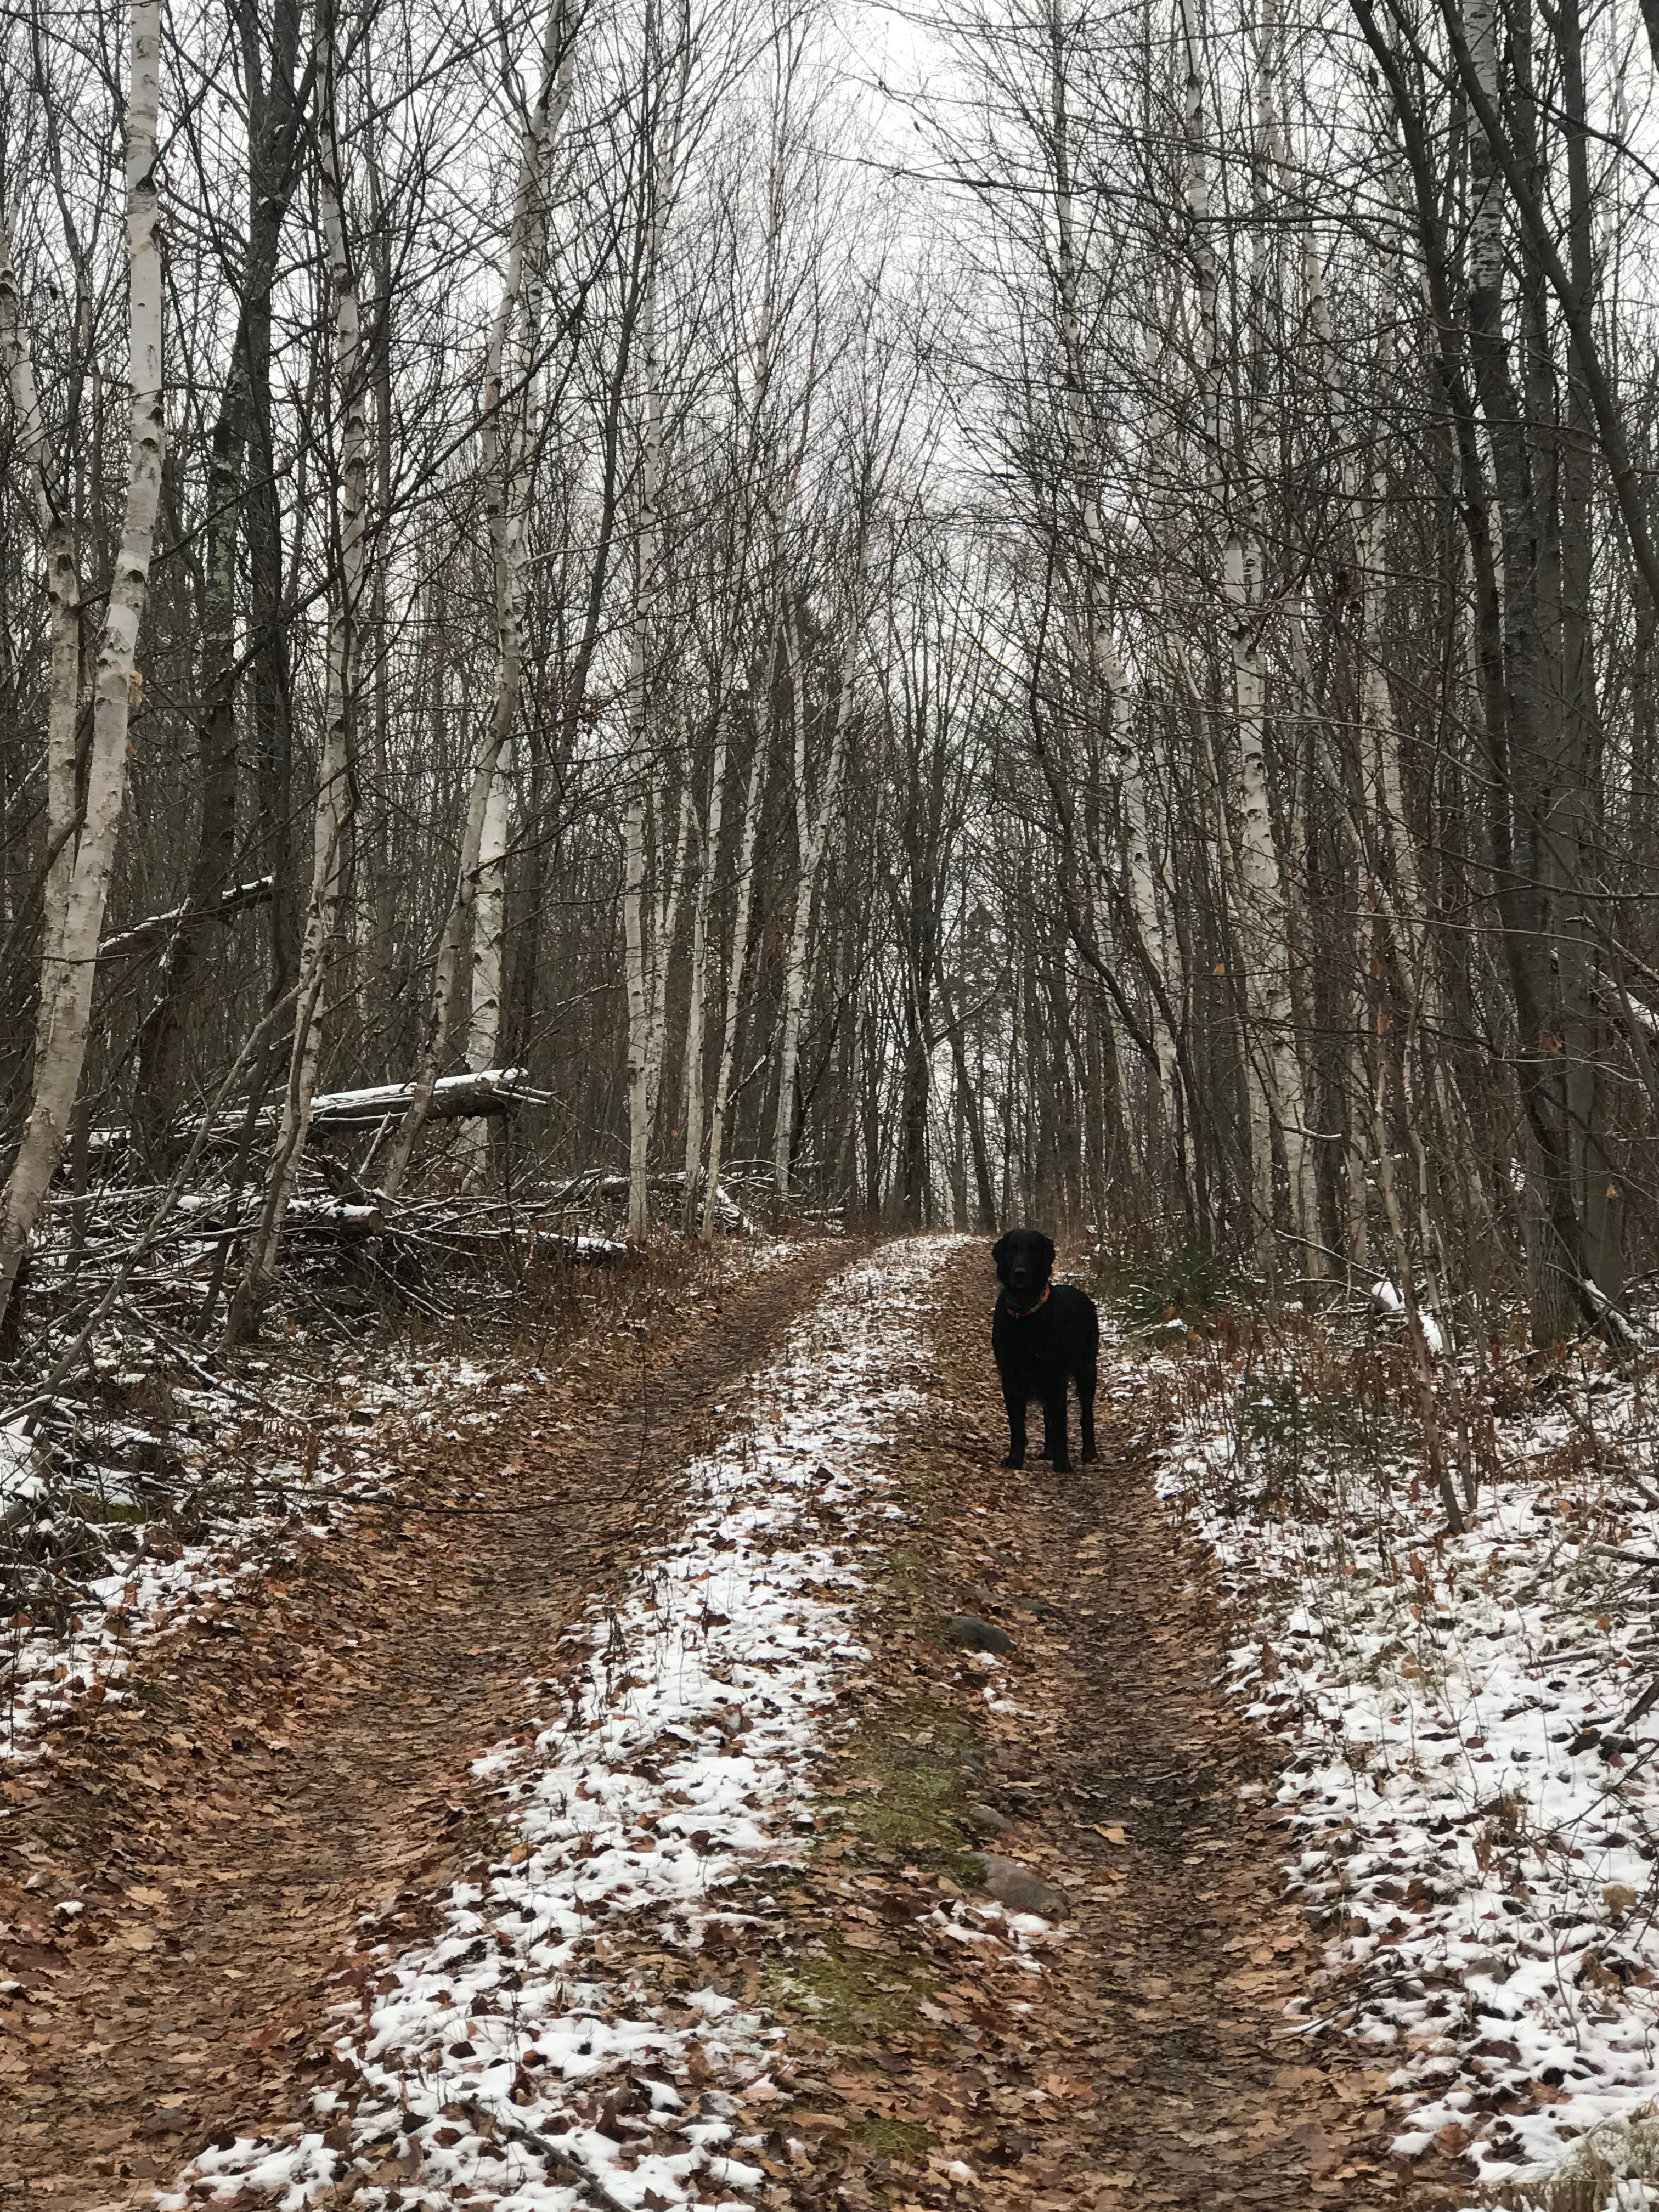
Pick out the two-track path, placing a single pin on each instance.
(175, 1908)
(297, 1763)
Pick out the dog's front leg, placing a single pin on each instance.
(1016, 1428)
(1054, 1422)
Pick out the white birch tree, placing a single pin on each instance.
(78, 890)
(648, 913)
(331, 813)
(507, 444)
(813, 816)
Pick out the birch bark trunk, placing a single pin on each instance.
(81, 892)
(715, 813)
(639, 1013)
(664, 925)
(1366, 509)
(708, 849)
(508, 440)
(1265, 999)
(489, 908)
(329, 822)
(637, 952)
(696, 1005)
(811, 829)
(645, 968)
(754, 799)
(1266, 919)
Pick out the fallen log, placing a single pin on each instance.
(731, 1215)
(454, 1097)
(156, 928)
(487, 1090)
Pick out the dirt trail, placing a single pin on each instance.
(298, 1762)
(1188, 1954)
(1153, 2064)
(184, 1886)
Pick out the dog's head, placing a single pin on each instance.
(1023, 1258)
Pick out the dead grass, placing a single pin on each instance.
(1588, 2179)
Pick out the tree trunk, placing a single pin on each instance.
(811, 828)
(645, 961)
(63, 582)
(1527, 855)
(743, 895)
(507, 439)
(275, 142)
(1106, 681)
(276, 117)
(66, 995)
(259, 1272)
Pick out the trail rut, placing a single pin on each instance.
(1155, 2062)
(190, 1873)
(294, 1767)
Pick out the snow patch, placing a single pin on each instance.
(522, 2052)
(1472, 1796)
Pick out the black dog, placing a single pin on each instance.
(1044, 1335)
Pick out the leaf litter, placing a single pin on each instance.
(1472, 1739)
(720, 1934)
(525, 2057)
(288, 1756)
(1135, 2051)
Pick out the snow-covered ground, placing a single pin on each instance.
(353, 1430)
(529, 2058)
(1473, 1804)
(308, 1449)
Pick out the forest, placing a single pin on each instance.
(1064, 630)
(663, 662)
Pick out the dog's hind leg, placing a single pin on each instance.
(1054, 1422)
(1085, 1398)
(1016, 1428)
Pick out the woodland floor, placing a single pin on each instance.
(300, 1758)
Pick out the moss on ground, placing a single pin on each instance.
(852, 1996)
(92, 1505)
(906, 2139)
(904, 1784)
(908, 1569)
(902, 1774)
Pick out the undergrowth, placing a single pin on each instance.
(1604, 2173)
(1444, 1603)
(1187, 1281)
(155, 1449)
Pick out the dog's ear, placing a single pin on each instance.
(1048, 1244)
(1000, 1254)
